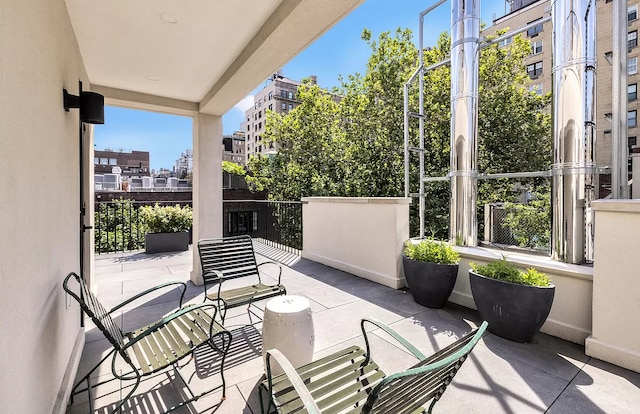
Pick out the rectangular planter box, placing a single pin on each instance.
(166, 242)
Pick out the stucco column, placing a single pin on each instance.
(207, 184)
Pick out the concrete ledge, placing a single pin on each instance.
(626, 358)
(60, 406)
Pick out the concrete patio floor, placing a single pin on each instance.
(548, 375)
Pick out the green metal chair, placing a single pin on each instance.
(230, 258)
(349, 381)
(155, 347)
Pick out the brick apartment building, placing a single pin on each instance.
(133, 164)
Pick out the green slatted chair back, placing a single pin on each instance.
(411, 390)
(98, 314)
(233, 256)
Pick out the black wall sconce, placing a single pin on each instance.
(91, 106)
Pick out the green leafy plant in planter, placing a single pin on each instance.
(167, 227)
(514, 302)
(431, 269)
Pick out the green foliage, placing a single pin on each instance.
(118, 227)
(530, 224)
(233, 168)
(433, 251)
(166, 219)
(351, 143)
(508, 272)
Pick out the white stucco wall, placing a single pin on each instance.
(616, 284)
(362, 236)
(39, 188)
(570, 316)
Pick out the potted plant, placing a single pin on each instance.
(167, 228)
(431, 269)
(514, 302)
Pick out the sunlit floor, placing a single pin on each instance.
(548, 375)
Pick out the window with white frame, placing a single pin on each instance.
(632, 118)
(283, 106)
(505, 42)
(113, 161)
(632, 13)
(632, 66)
(536, 47)
(537, 88)
(632, 92)
(632, 39)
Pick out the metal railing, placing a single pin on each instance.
(276, 223)
(119, 228)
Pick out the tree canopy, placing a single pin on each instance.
(350, 142)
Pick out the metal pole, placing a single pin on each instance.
(573, 124)
(421, 124)
(620, 151)
(465, 35)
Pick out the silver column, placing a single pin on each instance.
(573, 128)
(465, 32)
(620, 150)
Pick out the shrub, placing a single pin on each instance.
(166, 219)
(508, 272)
(431, 251)
(118, 227)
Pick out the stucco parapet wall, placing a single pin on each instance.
(541, 263)
(620, 206)
(358, 200)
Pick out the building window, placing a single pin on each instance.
(259, 114)
(505, 42)
(290, 106)
(96, 160)
(632, 92)
(632, 118)
(632, 13)
(104, 161)
(536, 47)
(284, 106)
(271, 95)
(537, 88)
(632, 39)
(290, 95)
(260, 148)
(534, 70)
(632, 66)
(271, 107)
(283, 93)
(533, 32)
(113, 161)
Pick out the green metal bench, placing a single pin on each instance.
(230, 258)
(349, 381)
(155, 347)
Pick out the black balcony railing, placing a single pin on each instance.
(119, 228)
(278, 223)
(118, 225)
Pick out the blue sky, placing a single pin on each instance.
(340, 51)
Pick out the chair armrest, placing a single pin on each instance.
(391, 332)
(164, 321)
(139, 295)
(274, 263)
(296, 381)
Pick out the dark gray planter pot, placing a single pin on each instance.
(513, 311)
(166, 242)
(430, 284)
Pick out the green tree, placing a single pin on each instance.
(351, 142)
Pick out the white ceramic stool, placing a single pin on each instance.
(288, 327)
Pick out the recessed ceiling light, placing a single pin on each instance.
(167, 18)
(153, 78)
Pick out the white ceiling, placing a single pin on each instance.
(214, 53)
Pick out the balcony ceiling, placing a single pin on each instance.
(210, 53)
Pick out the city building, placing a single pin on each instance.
(539, 64)
(133, 164)
(184, 164)
(278, 96)
(234, 148)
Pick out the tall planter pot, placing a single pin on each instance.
(513, 311)
(430, 284)
(166, 242)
